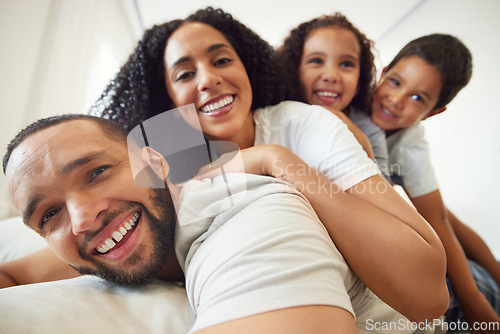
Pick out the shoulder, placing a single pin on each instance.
(290, 111)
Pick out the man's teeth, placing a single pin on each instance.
(217, 105)
(118, 235)
(328, 94)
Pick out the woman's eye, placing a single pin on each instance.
(184, 76)
(222, 61)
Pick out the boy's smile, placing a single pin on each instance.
(406, 94)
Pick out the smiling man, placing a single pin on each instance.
(260, 264)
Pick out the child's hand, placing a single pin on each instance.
(480, 312)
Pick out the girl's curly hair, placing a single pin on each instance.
(139, 92)
(290, 56)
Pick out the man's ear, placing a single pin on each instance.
(434, 112)
(156, 161)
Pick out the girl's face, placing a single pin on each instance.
(329, 69)
(203, 68)
(406, 94)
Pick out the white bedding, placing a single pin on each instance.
(84, 304)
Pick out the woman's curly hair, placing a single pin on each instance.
(290, 56)
(139, 91)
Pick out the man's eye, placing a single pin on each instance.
(98, 171)
(47, 216)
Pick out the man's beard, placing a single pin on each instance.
(144, 270)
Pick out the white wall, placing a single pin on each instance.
(40, 77)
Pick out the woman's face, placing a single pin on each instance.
(406, 94)
(329, 68)
(203, 68)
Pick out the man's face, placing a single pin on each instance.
(73, 185)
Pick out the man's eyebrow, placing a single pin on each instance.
(30, 208)
(65, 170)
(211, 48)
(72, 165)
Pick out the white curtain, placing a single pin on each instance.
(56, 57)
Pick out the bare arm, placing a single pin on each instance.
(474, 304)
(306, 319)
(379, 235)
(376, 231)
(474, 246)
(40, 266)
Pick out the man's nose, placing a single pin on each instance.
(84, 211)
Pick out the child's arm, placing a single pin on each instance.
(474, 246)
(476, 307)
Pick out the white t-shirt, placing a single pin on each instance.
(318, 137)
(410, 162)
(375, 135)
(268, 251)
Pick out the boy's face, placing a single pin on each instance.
(406, 94)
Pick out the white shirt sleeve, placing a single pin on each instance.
(318, 137)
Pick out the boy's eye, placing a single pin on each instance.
(417, 97)
(395, 82)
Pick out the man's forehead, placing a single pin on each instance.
(44, 152)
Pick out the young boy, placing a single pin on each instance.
(419, 82)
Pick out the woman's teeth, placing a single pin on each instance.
(328, 94)
(217, 105)
(118, 235)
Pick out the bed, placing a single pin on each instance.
(85, 304)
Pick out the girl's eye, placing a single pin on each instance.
(347, 64)
(315, 61)
(47, 216)
(222, 61)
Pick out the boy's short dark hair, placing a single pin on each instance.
(112, 129)
(449, 55)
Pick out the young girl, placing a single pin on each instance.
(231, 76)
(330, 63)
(418, 83)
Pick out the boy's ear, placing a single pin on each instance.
(156, 161)
(434, 112)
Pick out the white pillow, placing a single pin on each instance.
(85, 304)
